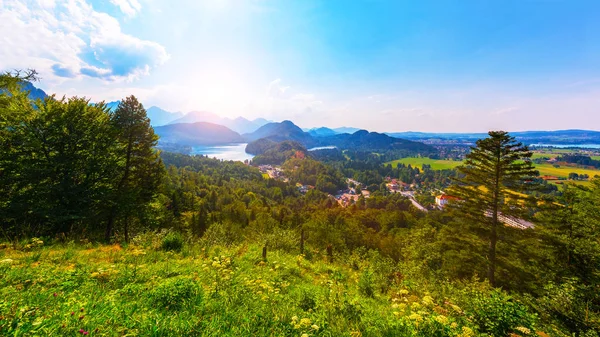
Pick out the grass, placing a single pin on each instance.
(544, 169)
(142, 290)
(436, 164)
(563, 171)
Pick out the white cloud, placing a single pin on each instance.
(69, 38)
(128, 7)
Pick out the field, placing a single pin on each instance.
(436, 164)
(545, 169)
(202, 290)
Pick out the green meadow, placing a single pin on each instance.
(544, 169)
(161, 286)
(436, 164)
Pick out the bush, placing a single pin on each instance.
(307, 301)
(176, 293)
(366, 284)
(497, 313)
(173, 241)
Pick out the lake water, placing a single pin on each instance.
(235, 152)
(563, 146)
(330, 147)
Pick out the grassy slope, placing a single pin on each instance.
(545, 169)
(114, 291)
(436, 164)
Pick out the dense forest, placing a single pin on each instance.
(203, 239)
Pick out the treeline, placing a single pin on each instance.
(67, 165)
(579, 159)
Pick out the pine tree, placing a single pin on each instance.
(140, 168)
(493, 176)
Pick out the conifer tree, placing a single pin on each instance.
(140, 167)
(493, 176)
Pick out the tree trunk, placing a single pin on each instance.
(109, 225)
(492, 252)
(126, 230)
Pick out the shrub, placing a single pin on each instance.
(175, 293)
(173, 241)
(497, 313)
(307, 301)
(366, 284)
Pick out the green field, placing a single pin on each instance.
(436, 164)
(210, 290)
(545, 169)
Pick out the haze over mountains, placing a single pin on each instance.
(197, 128)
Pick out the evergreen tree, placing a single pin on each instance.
(496, 172)
(140, 167)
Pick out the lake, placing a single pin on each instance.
(235, 152)
(563, 146)
(330, 147)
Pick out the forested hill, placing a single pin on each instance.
(196, 134)
(361, 140)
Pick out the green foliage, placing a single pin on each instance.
(366, 284)
(498, 314)
(173, 241)
(176, 293)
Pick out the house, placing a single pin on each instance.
(442, 200)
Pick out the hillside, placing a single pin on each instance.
(321, 132)
(278, 132)
(193, 134)
(372, 141)
(240, 124)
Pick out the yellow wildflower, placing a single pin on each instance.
(315, 327)
(467, 332)
(427, 300)
(523, 330)
(453, 325)
(441, 319)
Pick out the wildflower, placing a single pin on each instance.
(315, 327)
(304, 335)
(85, 332)
(55, 294)
(453, 325)
(81, 317)
(524, 330)
(467, 332)
(72, 313)
(403, 292)
(427, 300)
(305, 322)
(441, 319)
(415, 317)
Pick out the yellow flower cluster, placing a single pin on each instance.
(523, 330)
(265, 289)
(304, 323)
(104, 275)
(35, 242)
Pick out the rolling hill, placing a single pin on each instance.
(195, 134)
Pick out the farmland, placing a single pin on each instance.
(545, 169)
(436, 164)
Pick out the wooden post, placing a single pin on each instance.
(330, 253)
(302, 241)
(264, 253)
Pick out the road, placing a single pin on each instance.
(411, 197)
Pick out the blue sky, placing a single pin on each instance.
(455, 66)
